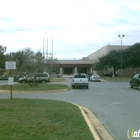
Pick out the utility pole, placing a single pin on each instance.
(43, 46)
(121, 37)
(52, 47)
(47, 48)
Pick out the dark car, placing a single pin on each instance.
(135, 82)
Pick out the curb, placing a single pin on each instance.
(97, 129)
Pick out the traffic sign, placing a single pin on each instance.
(10, 65)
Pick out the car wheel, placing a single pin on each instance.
(86, 87)
(73, 87)
(43, 81)
(132, 86)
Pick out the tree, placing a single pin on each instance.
(112, 59)
(102, 64)
(23, 59)
(2, 56)
(2, 61)
(51, 64)
(39, 62)
(29, 62)
(132, 56)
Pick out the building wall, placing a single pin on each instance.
(123, 72)
(105, 50)
(74, 66)
(90, 61)
(74, 69)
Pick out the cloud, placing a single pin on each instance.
(78, 27)
(13, 29)
(7, 19)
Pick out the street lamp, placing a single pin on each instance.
(2, 49)
(121, 37)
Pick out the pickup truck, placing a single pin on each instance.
(79, 80)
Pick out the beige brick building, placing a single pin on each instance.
(87, 64)
(73, 66)
(105, 50)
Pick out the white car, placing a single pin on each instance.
(95, 77)
(79, 80)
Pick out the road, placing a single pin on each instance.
(114, 103)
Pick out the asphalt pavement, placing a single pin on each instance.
(115, 104)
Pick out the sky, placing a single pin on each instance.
(78, 27)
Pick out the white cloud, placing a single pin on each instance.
(74, 24)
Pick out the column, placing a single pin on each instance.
(75, 69)
(91, 69)
(61, 70)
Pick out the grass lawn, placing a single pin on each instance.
(40, 87)
(58, 79)
(32, 119)
(117, 79)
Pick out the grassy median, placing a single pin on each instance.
(32, 119)
(117, 79)
(40, 87)
(58, 79)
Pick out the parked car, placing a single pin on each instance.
(16, 77)
(41, 78)
(135, 81)
(89, 74)
(95, 77)
(79, 80)
(58, 75)
(3, 77)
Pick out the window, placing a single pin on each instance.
(44, 75)
(136, 76)
(79, 76)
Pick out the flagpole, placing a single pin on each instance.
(47, 48)
(52, 47)
(43, 46)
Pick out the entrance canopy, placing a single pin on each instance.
(74, 66)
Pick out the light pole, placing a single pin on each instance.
(121, 37)
(2, 49)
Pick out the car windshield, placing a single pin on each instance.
(79, 76)
(96, 75)
(29, 76)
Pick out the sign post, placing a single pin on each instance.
(10, 65)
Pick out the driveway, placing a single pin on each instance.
(3, 82)
(114, 103)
